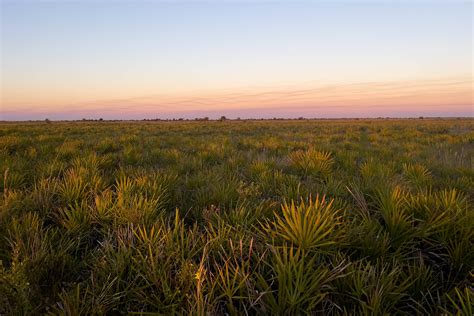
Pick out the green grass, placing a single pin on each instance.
(343, 217)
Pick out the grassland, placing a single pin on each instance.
(364, 217)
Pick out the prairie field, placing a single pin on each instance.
(271, 217)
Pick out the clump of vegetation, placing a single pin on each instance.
(237, 217)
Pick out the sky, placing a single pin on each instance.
(249, 59)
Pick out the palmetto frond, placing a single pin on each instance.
(312, 162)
(307, 225)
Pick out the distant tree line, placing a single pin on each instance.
(224, 118)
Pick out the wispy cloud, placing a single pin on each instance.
(453, 95)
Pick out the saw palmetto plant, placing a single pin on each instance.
(366, 217)
(307, 225)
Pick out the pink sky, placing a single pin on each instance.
(441, 97)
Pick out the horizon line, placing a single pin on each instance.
(224, 118)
